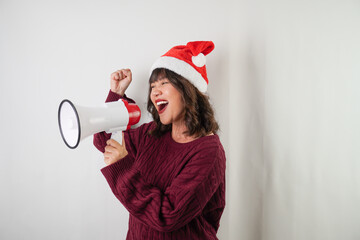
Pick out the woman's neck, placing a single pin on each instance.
(178, 133)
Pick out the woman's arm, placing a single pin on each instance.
(119, 82)
(181, 202)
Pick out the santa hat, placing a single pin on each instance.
(188, 61)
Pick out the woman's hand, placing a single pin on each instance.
(120, 81)
(114, 151)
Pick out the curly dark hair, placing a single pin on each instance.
(199, 115)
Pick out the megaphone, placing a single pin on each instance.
(78, 122)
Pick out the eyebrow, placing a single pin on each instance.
(158, 79)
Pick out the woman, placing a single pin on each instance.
(169, 173)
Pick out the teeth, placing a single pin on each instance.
(161, 102)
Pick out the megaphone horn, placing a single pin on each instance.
(78, 122)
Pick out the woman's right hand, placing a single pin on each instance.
(114, 151)
(120, 81)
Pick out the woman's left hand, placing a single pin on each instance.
(114, 151)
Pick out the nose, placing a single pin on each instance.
(155, 91)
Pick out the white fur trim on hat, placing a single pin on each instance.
(182, 68)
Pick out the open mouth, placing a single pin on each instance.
(162, 106)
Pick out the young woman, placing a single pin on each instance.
(169, 173)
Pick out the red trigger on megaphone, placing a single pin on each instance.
(134, 113)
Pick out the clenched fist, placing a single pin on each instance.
(120, 81)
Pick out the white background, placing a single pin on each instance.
(284, 81)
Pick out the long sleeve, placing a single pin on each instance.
(101, 138)
(182, 201)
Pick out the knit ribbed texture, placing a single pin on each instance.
(171, 190)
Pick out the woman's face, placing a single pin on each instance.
(167, 101)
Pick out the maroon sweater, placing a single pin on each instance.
(171, 190)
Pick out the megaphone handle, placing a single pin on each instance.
(117, 136)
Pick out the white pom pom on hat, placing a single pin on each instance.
(199, 60)
(188, 61)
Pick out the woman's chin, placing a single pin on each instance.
(165, 121)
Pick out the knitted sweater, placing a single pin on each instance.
(171, 190)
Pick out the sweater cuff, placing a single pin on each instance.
(113, 97)
(119, 168)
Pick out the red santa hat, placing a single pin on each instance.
(188, 61)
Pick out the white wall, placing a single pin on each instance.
(284, 80)
(294, 145)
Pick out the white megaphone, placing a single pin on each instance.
(77, 122)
